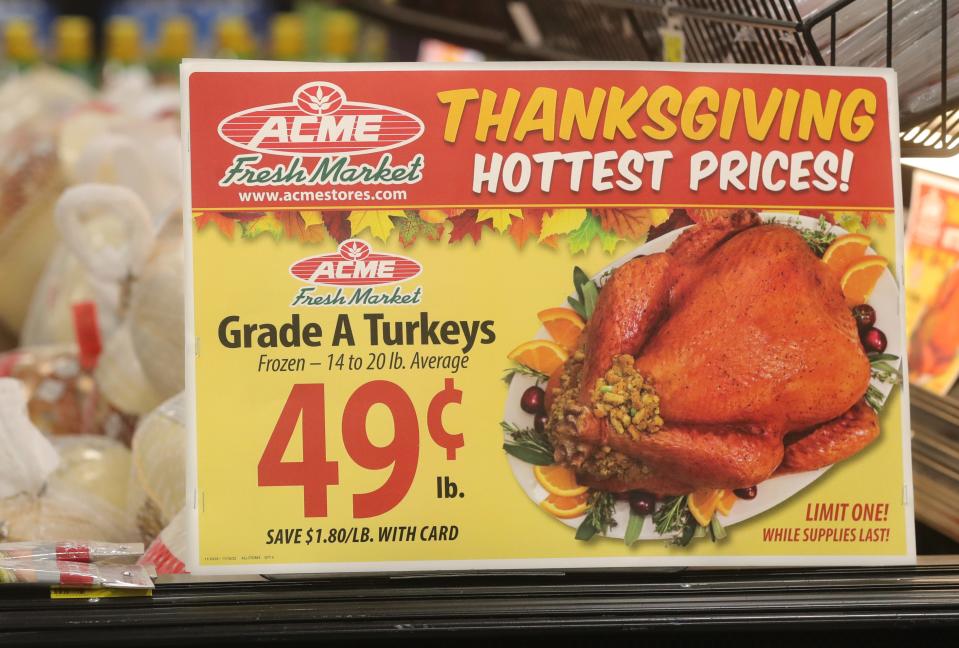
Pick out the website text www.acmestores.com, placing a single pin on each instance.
(328, 195)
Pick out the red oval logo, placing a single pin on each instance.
(320, 121)
(355, 264)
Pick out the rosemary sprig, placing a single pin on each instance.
(672, 515)
(599, 516)
(528, 445)
(523, 370)
(818, 239)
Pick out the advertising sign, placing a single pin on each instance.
(505, 316)
(932, 288)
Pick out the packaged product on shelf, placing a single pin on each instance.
(156, 491)
(142, 362)
(20, 45)
(106, 233)
(63, 395)
(175, 42)
(287, 37)
(74, 574)
(43, 495)
(31, 180)
(73, 46)
(79, 551)
(28, 457)
(95, 464)
(167, 553)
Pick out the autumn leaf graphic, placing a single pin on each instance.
(581, 238)
(466, 225)
(378, 221)
(501, 218)
(439, 215)
(227, 226)
(527, 227)
(267, 223)
(336, 224)
(561, 221)
(631, 223)
(412, 227)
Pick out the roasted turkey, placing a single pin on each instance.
(739, 358)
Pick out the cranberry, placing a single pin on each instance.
(747, 493)
(874, 340)
(539, 422)
(642, 503)
(865, 316)
(533, 400)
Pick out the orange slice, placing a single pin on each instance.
(541, 355)
(558, 480)
(860, 279)
(726, 501)
(702, 504)
(566, 507)
(563, 324)
(845, 251)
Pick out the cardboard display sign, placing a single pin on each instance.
(529, 315)
(932, 287)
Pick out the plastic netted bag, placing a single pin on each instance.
(63, 397)
(39, 497)
(157, 490)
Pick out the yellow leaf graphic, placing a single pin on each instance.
(631, 223)
(561, 221)
(266, 223)
(311, 218)
(378, 221)
(502, 218)
(437, 216)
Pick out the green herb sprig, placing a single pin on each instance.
(599, 516)
(587, 292)
(819, 238)
(522, 370)
(673, 517)
(882, 372)
(528, 445)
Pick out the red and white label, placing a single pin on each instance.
(320, 121)
(355, 264)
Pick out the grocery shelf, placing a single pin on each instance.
(935, 451)
(717, 31)
(471, 607)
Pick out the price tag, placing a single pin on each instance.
(524, 317)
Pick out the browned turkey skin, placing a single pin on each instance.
(751, 350)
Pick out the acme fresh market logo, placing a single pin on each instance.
(355, 266)
(320, 122)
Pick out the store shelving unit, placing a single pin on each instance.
(472, 608)
(716, 31)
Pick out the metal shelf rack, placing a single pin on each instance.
(735, 31)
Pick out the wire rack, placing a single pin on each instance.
(717, 31)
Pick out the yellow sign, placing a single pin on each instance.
(385, 378)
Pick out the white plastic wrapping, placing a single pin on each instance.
(157, 489)
(83, 551)
(26, 456)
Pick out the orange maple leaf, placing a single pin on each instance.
(530, 225)
(226, 225)
(631, 223)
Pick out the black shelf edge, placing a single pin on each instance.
(430, 607)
